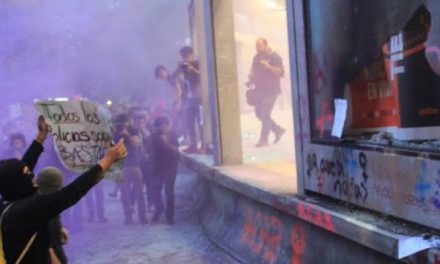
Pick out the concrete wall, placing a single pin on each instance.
(256, 233)
(408, 187)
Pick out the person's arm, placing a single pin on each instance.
(177, 72)
(40, 208)
(34, 151)
(194, 68)
(276, 67)
(132, 137)
(161, 144)
(251, 75)
(179, 92)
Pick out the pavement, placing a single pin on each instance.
(115, 243)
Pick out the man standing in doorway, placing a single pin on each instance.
(266, 72)
(192, 103)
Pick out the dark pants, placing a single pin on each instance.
(131, 192)
(165, 178)
(147, 172)
(263, 110)
(193, 119)
(95, 202)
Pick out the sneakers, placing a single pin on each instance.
(128, 221)
(190, 150)
(278, 135)
(262, 143)
(156, 217)
(143, 221)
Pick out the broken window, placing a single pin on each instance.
(383, 58)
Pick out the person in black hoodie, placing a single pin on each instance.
(165, 152)
(26, 212)
(51, 179)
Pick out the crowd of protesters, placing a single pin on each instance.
(149, 138)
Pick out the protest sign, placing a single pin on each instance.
(81, 132)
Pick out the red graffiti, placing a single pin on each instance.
(325, 117)
(272, 240)
(263, 235)
(267, 232)
(297, 238)
(249, 235)
(311, 214)
(318, 75)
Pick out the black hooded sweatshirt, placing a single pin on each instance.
(31, 215)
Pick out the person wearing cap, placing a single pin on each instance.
(166, 155)
(49, 180)
(25, 213)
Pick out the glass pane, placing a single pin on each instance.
(262, 54)
(382, 57)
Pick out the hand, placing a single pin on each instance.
(125, 132)
(115, 153)
(265, 63)
(43, 130)
(164, 137)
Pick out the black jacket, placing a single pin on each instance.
(31, 215)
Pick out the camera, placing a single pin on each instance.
(119, 127)
(183, 64)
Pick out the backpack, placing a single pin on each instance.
(26, 248)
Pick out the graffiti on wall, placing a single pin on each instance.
(391, 183)
(263, 234)
(347, 172)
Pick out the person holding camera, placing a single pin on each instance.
(132, 179)
(192, 103)
(174, 100)
(25, 213)
(266, 72)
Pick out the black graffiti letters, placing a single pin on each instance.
(61, 135)
(91, 117)
(57, 114)
(312, 164)
(70, 136)
(363, 164)
(331, 167)
(81, 154)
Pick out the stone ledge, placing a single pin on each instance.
(364, 227)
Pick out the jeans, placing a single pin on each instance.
(95, 202)
(165, 178)
(131, 192)
(147, 172)
(263, 111)
(193, 120)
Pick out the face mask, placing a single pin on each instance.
(14, 184)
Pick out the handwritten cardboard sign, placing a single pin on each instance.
(81, 133)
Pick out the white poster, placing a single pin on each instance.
(81, 133)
